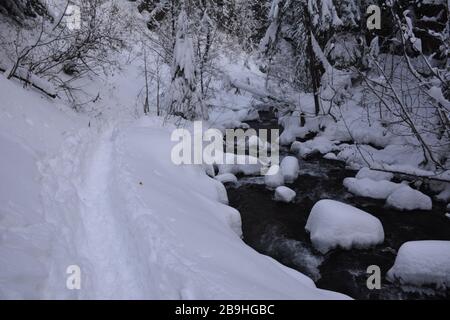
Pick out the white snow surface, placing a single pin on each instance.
(406, 198)
(421, 263)
(274, 177)
(397, 195)
(108, 199)
(289, 169)
(374, 175)
(226, 178)
(371, 188)
(333, 224)
(284, 194)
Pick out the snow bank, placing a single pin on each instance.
(284, 194)
(30, 127)
(371, 189)
(274, 177)
(222, 195)
(333, 224)
(422, 263)
(406, 198)
(289, 169)
(111, 201)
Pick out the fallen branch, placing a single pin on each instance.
(427, 175)
(27, 81)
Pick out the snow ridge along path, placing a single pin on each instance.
(140, 227)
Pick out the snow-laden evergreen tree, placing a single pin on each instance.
(269, 42)
(182, 97)
(323, 16)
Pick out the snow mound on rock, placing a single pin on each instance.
(274, 177)
(226, 178)
(422, 263)
(239, 164)
(320, 145)
(370, 188)
(374, 175)
(330, 156)
(333, 224)
(289, 169)
(406, 198)
(284, 194)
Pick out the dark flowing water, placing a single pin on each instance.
(278, 229)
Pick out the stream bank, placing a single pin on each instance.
(278, 229)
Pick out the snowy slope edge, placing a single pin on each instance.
(112, 202)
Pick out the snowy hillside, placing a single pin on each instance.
(314, 148)
(109, 200)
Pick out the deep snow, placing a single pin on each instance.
(107, 198)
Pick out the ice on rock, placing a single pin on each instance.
(284, 194)
(226, 178)
(274, 177)
(374, 175)
(290, 168)
(406, 198)
(371, 189)
(333, 224)
(422, 263)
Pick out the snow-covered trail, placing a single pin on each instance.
(140, 227)
(79, 182)
(106, 242)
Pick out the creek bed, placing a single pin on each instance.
(278, 229)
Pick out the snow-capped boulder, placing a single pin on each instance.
(333, 224)
(406, 198)
(274, 177)
(240, 164)
(422, 263)
(295, 147)
(444, 195)
(284, 194)
(226, 178)
(320, 145)
(330, 156)
(374, 175)
(290, 168)
(371, 189)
